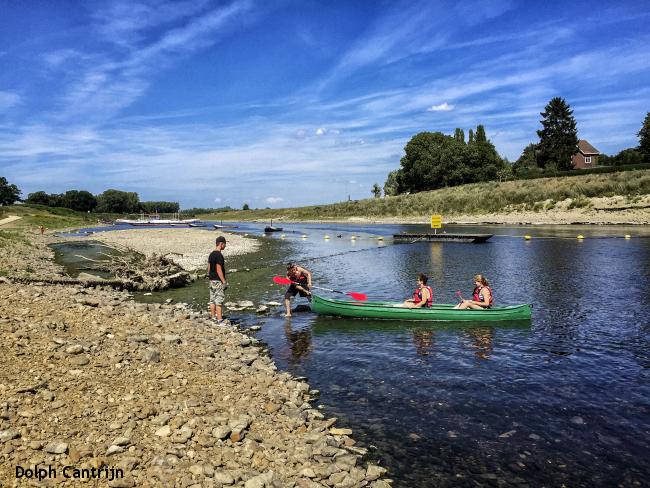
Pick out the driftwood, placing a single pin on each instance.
(132, 271)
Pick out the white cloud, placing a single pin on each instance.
(217, 200)
(443, 107)
(321, 131)
(274, 199)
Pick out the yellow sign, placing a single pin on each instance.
(436, 221)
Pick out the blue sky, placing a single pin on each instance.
(287, 103)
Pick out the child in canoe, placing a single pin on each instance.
(423, 294)
(481, 296)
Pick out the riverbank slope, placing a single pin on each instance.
(613, 198)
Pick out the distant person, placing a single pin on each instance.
(301, 279)
(423, 294)
(482, 297)
(42, 229)
(217, 277)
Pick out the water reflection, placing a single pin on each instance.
(481, 340)
(299, 342)
(424, 341)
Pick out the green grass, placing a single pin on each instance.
(52, 218)
(473, 199)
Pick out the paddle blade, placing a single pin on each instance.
(281, 281)
(362, 297)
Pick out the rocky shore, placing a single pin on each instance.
(154, 392)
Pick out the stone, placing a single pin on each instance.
(122, 441)
(9, 434)
(126, 482)
(114, 450)
(577, 420)
(56, 447)
(164, 431)
(374, 472)
(221, 432)
(260, 481)
(196, 469)
(336, 431)
(223, 478)
(74, 349)
(151, 355)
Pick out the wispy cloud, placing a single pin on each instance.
(274, 200)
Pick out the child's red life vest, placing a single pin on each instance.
(417, 296)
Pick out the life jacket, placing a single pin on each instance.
(297, 277)
(417, 296)
(477, 296)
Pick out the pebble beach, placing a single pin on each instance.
(154, 394)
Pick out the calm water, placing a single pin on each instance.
(562, 401)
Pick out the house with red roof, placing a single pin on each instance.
(586, 157)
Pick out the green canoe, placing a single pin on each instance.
(437, 312)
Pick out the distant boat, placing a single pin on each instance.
(148, 221)
(270, 228)
(198, 224)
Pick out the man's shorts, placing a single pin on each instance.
(292, 291)
(217, 292)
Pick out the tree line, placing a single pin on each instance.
(110, 201)
(435, 160)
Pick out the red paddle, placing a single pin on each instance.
(357, 296)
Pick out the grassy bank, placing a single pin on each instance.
(33, 216)
(537, 195)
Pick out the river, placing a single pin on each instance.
(564, 400)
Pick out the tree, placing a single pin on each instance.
(162, 207)
(9, 193)
(644, 138)
(392, 186)
(376, 190)
(482, 159)
(459, 135)
(527, 162)
(38, 198)
(480, 134)
(470, 137)
(626, 156)
(245, 207)
(433, 160)
(80, 200)
(116, 201)
(558, 137)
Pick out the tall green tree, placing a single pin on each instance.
(459, 135)
(9, 193)
(644, 138)
(80, 200)
(245, 206)
(392, 185)
(480, 134)
(470, 137)
(116, 201)
(432, 160)
(376, 190)
(558, 137)
(527, 162)
(483, 159)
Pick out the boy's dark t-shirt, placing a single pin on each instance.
(216, 258)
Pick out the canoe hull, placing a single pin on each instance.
(436, 313)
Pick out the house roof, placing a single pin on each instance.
(585, 148)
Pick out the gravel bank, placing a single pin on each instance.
(188, 248)
(154, 392)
